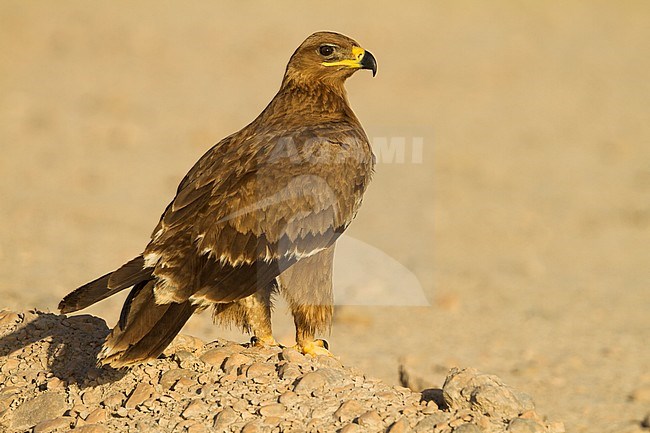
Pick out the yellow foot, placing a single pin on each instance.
(314, 348)
(264, 341)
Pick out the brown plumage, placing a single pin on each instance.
(258, 213)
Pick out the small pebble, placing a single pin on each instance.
(196, 409)
(370, 419)
(91, 396)
(251, 427)
(399, 426)
(324, 410)
(272, 420)
(204, 379)
(215, 357)
(228, 378)
(409, 410)
(521, 425)
(467, 428)
(197, 428)
(165, 399)
(235, 361)
(42, 407)
(289, 372)
(184, 356)
(91, 428)
(55, 383)
(428, 423)
(274, 409)
(430, 409)
(385, 395)
(258, 369)
(186, 342)
(292, 355)
(183, 384)
(289, 398)
(170, 377)
(241, 406)
(9, 365)
(226, 417)
(53, 424)
(351, 428)
(329, 361)
(114, 400)
(97, 416)
(349, 410)
(141, 392)
(80, 409)
(456, 422)
(310, 382)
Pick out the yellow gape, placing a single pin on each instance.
(358, 54)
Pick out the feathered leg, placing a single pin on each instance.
(252, 314)
(307, 286)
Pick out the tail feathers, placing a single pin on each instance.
(145, 328)
(129, 274)
(86, 295)
(126, 276)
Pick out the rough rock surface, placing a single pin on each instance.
(49, 383)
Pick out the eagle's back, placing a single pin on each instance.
(281, 189)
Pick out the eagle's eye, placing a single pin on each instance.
(326, 50)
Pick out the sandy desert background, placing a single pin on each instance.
(524, 232)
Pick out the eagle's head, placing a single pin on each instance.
(328, 58)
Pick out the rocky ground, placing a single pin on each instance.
(526, 221)
(50, 383)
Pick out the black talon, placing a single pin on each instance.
(326, 345)
(254, 340)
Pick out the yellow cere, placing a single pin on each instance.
(358, 53)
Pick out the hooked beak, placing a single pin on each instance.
(368, 62)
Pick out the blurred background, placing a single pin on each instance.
(523, 231)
